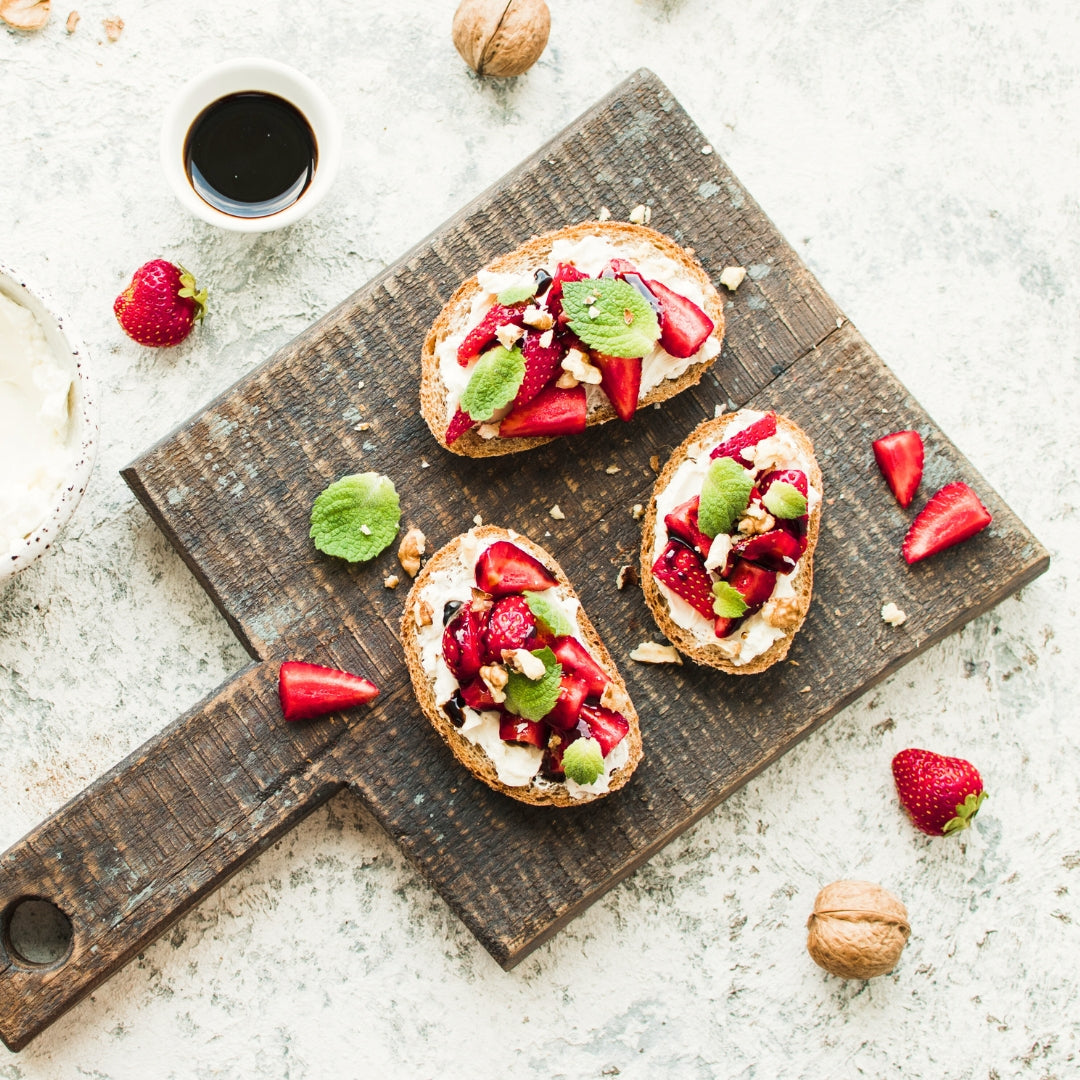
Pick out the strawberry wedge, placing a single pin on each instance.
(765, 428)
(553, 411)
(457, 427)
(900, 459)
(621, 381)
(683, 571)
(310, 690)
(684, 327)
(504, 569)
(483, 334)
(953, 515)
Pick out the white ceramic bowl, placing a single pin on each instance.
(82, 428)
(235, 77)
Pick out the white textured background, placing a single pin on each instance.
(923, 157)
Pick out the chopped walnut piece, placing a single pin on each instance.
(556, 513)
(494, 677)
(604, 215)
(641, 214)
(532, 667)
(756, 520)
(25, 14)
(638, 512)
(72, 22)
(654, 462)
(422, 613)
(508, 333)
(783, 612)
(546, 338)
(566, 381)
(651, 652)
(481, 601)
(538, 318)
(114, 27)
(731, 277)
(614, 698)
(392, 581)
(893, 615)
(413, 545)
(627, 576)
(487, 431)
(575, 362)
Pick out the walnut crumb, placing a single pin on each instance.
(538, 318)
(365, 529)
(392, 582)
(495, 678)
(627, 576)
(413, 545)
(641, 214)
(654, 462)
(651, 652)
(546, 338)
(532, 667)
(488, 431)
(783, 612)
(731, 277)
(114, 27)
(611, 470)
(706, 149)
(556, 513)
(893, 615)
(638, 512)
(614, 698)
(422, 613)
(508, 334)
(566, 381)
(72, 22)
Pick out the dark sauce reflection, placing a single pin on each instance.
(250, 154)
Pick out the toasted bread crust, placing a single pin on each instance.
(684, 640)
(433, 404)
(472, 756)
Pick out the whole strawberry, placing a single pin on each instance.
(942, 794)
(160, 306)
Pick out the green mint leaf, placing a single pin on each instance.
(728, 602)
(549, 612)
(494, 382)
(725, 495)
(533, 699)
(611, 316)
(356, 517)
(583, 761)
(784, 500)
(516, 293)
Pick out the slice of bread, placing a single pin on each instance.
(456, 319)
(447, 566)
(709, 435)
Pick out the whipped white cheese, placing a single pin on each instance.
(515, 765)
(590, 254)
(755, 634)
(35, 425)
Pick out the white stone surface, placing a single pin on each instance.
(923, 158)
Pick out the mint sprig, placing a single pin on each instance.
(494, 382)
(356, 517)
(728, 602)
(549, 612)
(533, 699)
(583, 761)
(611, 316)
(725, 495)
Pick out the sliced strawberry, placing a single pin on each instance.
(900, 458)
(553, 411)
(483, 334)
(683, 523)
(723, 626)
(558, 741)
(524, 732)
(461, 645)
(764, 428)
(309, 690)
(684, 327)
(620, 379)
(477, 696)
(510, 624)
(606, 727)
(576, 659)
(683, 571)
(460, 423)
(952, 515)
(795, 477)
(573, 691)
(754, 582)
(504, 568)
(775, 550)
(540, 365)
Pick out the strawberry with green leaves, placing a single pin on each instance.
(942, 795)
(160, 305)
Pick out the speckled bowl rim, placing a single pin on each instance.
(84, 436)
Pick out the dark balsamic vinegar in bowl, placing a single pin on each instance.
(250, 154)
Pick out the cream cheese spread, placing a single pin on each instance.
(516, 765)
(590, 254)
(755, 635)
(35, 425)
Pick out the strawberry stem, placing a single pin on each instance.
(965, 813)
(187, 282)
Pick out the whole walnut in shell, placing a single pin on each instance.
(857, 930)
(501, 37)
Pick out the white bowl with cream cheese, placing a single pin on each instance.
(48, 424)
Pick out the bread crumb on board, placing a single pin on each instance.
(652, 652)
(731, 277)
(556, 513)
(892, 614)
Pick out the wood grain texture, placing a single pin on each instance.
(232, 489)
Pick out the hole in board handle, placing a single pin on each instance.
(36, 933)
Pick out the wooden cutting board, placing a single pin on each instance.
(232, 489)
